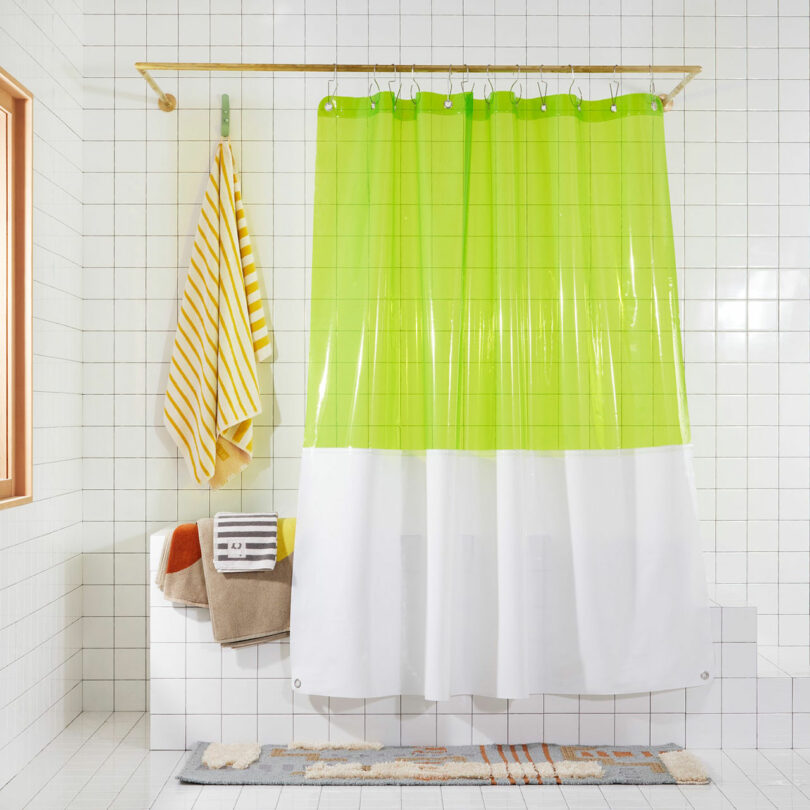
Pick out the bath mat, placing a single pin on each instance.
(524, 764)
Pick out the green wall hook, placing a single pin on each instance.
(226, 116)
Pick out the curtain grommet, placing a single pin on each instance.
(704, 676)
(297, 683)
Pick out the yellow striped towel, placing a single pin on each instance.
(213, 390)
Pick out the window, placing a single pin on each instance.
(15, 292)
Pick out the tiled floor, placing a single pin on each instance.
(101, 761)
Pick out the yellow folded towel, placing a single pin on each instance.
(213, 390)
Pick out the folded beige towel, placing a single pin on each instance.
(252, 606)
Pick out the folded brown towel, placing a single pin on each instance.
(249, 607)
(180, 574)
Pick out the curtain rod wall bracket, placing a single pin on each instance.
(167, 102)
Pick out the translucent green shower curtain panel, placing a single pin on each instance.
(496, 492)
(494, 276)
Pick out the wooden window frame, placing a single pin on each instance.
(16, 355)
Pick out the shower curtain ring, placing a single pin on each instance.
(653, 103)
(544, 92)
(331, 95)
(414, 83)
(516, 98)
(488, 98)
(448, 103)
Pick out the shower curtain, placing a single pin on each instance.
(496, 492)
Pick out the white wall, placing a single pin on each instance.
(738, 147)
(40, 543)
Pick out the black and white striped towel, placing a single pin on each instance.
(245, 542)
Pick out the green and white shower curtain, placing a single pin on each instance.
(496, 491)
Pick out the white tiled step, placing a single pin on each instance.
(200, 690)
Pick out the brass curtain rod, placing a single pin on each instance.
(167, 102)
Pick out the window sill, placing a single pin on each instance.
(15, 500)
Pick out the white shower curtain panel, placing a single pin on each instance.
(503, 575)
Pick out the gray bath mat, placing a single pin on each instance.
(525, 764)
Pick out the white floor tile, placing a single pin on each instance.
(218, 797)
(587, 796)
(264, 797)
(547, 797)
(501, 798)
(26, 784)
(462, 798)
(665, 797)
(628, 796)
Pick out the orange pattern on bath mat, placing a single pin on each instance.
(551, 762)
(486, 759)
(529, 758)
(576, 753)
(506, 762)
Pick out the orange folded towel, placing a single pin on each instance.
(180, 575)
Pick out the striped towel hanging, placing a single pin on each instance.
(213, 391)
(245, 542)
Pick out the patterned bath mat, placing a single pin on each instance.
(372, 764)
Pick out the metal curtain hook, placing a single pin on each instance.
(376, 84)
(399, 89)
(653, 104)
(448, 103)
(516, 82)
(614, 90)
(414, 83)
(571, 87)
(466, 80)
(331, 93)
(488, 98)
(544, 92)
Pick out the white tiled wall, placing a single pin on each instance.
(40, 543)
(738, 149)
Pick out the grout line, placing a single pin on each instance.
(802, 788)
(111, 716)
(64, 733)
(169, 785)
(180, 759)
(57, 531)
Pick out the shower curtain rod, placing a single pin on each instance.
(167, 102)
